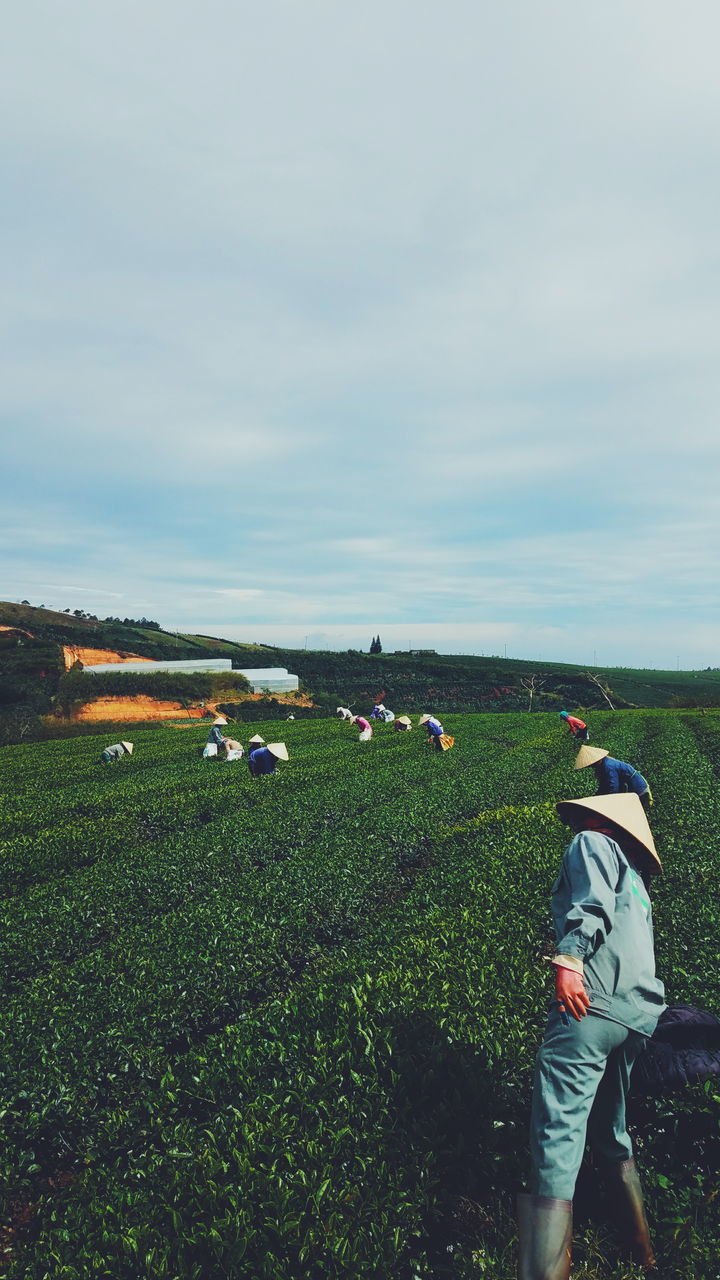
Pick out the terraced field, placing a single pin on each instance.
(285, 1027)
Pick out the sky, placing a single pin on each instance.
(322, 321)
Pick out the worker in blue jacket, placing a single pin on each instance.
(434, 730)
(605, 981)
(264, 759)
(614, 775)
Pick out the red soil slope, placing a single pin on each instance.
(136, 708)
(19, 631)
(93, 657)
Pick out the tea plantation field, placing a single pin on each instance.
(285, 1027)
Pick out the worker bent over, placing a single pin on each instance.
(614, 776)
(264, 759)
(116, 751)
(577, 727)
(434, 730)
(364, 726)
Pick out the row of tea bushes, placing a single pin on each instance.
(113, 868)
(316, 1136)
(332, 1131)
(323, 845)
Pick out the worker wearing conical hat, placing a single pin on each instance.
(264, 760)
(614, 776)
(434, 730)
(605, 980)
(402, 724)
(215, 737)
(116, 751)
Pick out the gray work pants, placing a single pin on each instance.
(582, 1077)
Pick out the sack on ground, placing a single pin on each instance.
(446, 741)
(210, 750)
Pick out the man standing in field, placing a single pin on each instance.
(605, 979)
(614, 776)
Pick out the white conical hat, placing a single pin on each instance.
(589, 755)
(624, 811)
(220, 720)
(279, 750)
(260, 742)
(424, 719)
(128, 747)
(404, 720)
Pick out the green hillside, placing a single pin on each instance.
(33, 681)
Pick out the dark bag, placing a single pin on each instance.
(684, 1048)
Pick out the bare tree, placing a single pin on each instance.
(533, 684)
(17, 723)
(603, 688)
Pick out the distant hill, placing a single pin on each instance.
(33, 676)
(448, 682)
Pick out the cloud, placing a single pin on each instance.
(314, 328)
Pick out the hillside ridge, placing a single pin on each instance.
(35, 644)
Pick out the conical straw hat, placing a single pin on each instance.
(128, 747)
(220, 720)
(624, 811)
(589, 755)
(424, 719)
(259, 742)
(404, 720)
(279, 750)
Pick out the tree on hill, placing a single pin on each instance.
(533, 683)
(376, 646)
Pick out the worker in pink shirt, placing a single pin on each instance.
(364, 726)
(578, 728)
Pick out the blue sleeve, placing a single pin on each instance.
(638, 784)
(589, 873)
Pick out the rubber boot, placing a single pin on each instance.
(626, 1202)
(545, 1232)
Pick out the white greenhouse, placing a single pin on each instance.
(260, 679)
(187, 667)
(270, 679)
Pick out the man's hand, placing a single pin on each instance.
(570, 992)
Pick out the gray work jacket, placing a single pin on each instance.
(603, 917)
